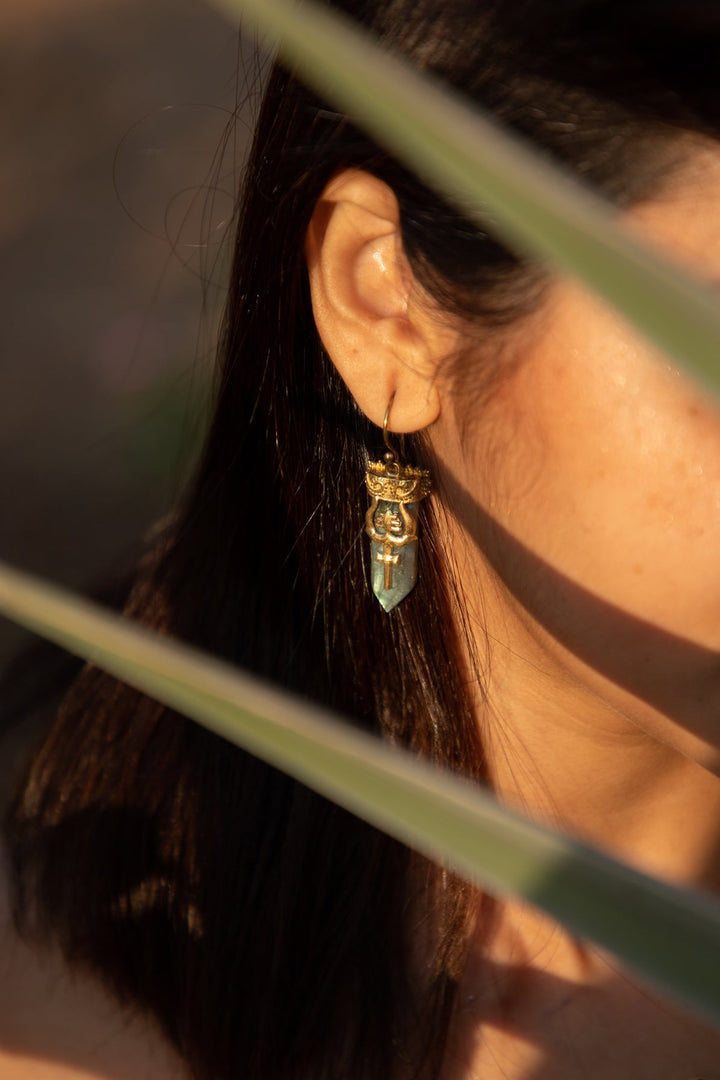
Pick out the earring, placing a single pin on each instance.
(391, 522)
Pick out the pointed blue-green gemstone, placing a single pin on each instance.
(403, 573)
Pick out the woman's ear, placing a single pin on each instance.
(368, 309)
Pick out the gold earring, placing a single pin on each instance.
(391, 522)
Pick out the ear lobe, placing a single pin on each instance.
(365, 303)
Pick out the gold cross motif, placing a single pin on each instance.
(386, 556)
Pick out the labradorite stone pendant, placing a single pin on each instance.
(391, 523)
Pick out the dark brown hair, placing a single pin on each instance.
(272, 934)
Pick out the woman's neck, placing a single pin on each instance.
(563, 755)
(567, 746)
(535, 1004)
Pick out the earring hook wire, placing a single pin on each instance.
(386, 440)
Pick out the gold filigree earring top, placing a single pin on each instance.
(396, 491)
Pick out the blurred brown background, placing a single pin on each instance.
(116, 185)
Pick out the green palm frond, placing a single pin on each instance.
(669, 937)
(496, 178)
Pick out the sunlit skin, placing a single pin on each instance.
(581, 494)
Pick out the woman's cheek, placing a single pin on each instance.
(611, 469)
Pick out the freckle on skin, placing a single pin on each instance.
(637, 569)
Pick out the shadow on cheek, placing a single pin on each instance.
(676, 677)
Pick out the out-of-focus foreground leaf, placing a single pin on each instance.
(669, 937)
(496, 178)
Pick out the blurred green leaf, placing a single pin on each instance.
(496, 178)
(669, 937)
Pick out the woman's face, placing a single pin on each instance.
(590, 482)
